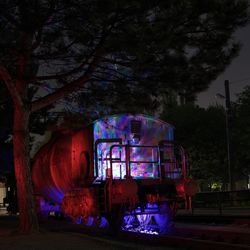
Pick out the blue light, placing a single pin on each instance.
(152, 219)
(103, 223)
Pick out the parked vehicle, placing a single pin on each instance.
(122, 170)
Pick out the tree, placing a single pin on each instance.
(202, 133)
(241, 136)
(186, 66)
(68, 45)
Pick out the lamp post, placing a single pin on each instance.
(228, 131)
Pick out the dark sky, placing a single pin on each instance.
(238, 73)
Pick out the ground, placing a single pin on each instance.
(63, 241)
(58, 235)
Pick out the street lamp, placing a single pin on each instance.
(228, 131)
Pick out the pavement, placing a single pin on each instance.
(66, 241)
(57, 235)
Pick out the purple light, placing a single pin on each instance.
(103, 223)
(152, 220)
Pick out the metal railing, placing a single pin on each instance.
(168, 159)
(127, 160)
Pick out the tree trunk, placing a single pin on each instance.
(27, 215)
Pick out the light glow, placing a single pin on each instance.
(152, 219)
(119, 126)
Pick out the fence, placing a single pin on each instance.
(221, 202)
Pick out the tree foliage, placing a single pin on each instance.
(241, 135)
(182, 45)
(202, 133)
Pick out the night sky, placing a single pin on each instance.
(238, 73)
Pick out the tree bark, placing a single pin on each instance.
(28, 222)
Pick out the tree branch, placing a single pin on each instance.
(68, 88)
(75, 70)
(10, 19)
(60, 93)
(59, 75)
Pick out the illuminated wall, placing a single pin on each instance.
(121, 126)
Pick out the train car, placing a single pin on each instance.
(122, 171)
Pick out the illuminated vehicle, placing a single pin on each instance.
(122, 170)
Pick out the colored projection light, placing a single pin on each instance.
(148, 222)
(138, 131)
(91, 221)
